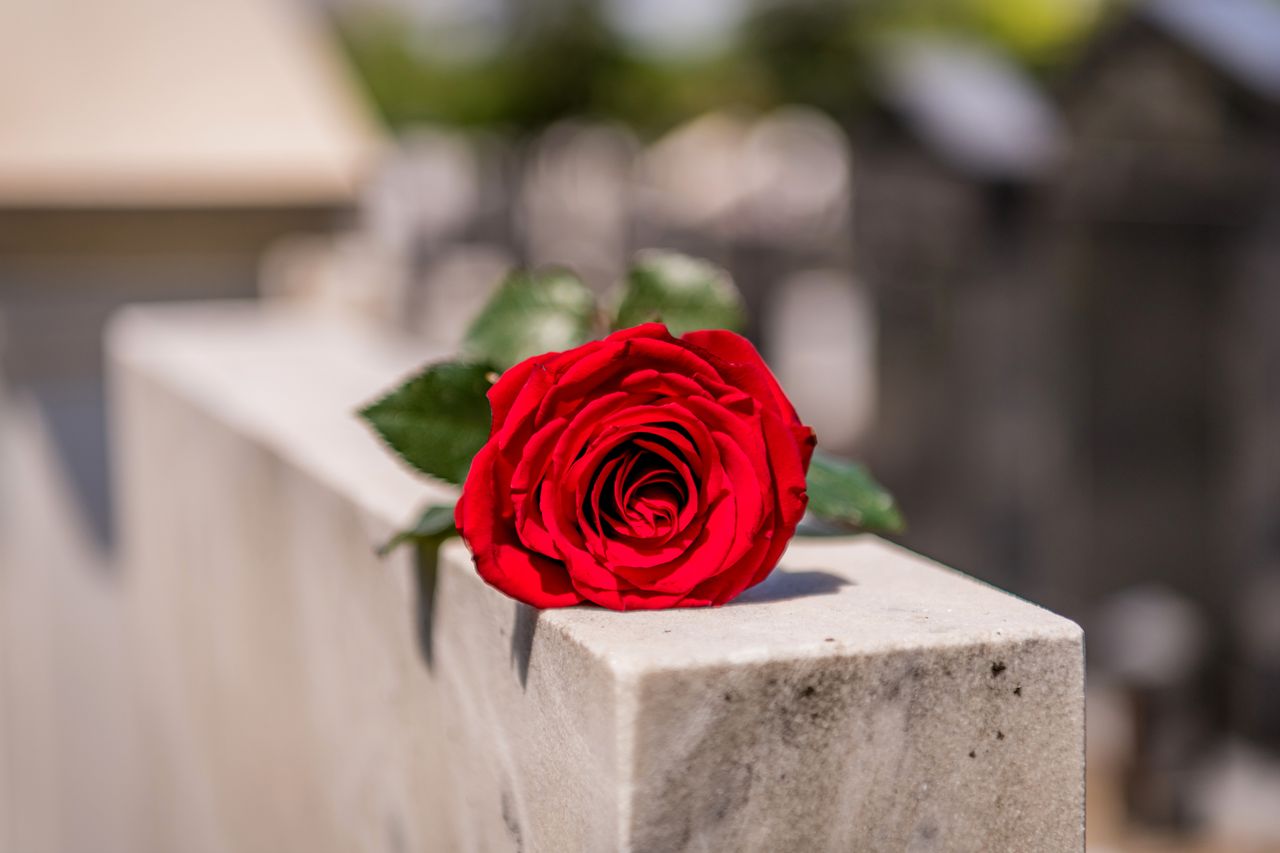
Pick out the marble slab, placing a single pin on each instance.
(304, 694)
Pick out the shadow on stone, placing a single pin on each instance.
(786, 584)
(511, 820)
(427, 563)
(523, 631)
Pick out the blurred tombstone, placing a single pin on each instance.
(792, 211)
(795, 174)
(1257, 687)
(455, 286)
(496, 219)
(440, 192)
(1237, 796)
(949, 165)
(1250, 511)
(574, 202)
(767, 199)
(688, 185)
(350, 274)
(1166, 220)
(427, 193)
(1175, 113)
(1154, 646)
(428, 190)
(821, 328)
(151, 151)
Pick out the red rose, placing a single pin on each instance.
(637, 472)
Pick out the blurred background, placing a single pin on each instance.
(1021, 257)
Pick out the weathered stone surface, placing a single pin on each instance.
(861, 699)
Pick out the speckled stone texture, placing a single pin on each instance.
(862, 698)
(303, 694)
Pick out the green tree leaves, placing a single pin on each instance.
(687, 294)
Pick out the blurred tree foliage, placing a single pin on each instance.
(545, 70)
(570, 65)
(811, 52)
(1038, 34)
(562, 59)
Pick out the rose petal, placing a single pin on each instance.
(499, 558)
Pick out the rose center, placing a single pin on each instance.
(653, 509)
(643, 495)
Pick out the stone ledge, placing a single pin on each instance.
(863, 698)
(840, 596)
(290, 380)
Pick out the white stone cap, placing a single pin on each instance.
(839, 596)
(830, 597)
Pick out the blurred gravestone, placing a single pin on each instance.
(821, 328)
(688, 185)
(1153, 645)
(795, 170)
(574, 204)
(1166, 221)
(428, 189)
(454, 287)
(766, 198)
(349, 274)
(792, 210)
(948, 167)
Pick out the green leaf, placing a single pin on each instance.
(686, 293)
(532, 313)
(844, 491)
(438, 420)
(432, 527)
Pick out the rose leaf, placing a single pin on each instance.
(845, 492)
(431, 529)
(532, 313)
(437, 420)
(687, 294)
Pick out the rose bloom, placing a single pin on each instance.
(641, 471)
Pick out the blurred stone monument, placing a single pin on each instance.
(948, 166)
(769, 199)
(1166, 223)
(688, 186)
(151, 151)
(574, 201)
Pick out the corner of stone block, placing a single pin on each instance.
(1067, 631)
